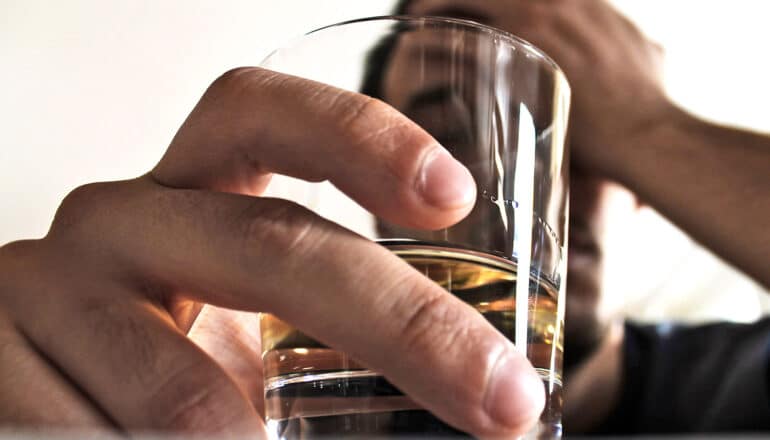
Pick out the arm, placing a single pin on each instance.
(712, 181)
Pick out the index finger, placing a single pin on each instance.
(252, 122)
(270, 255)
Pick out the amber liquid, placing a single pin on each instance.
(312, 391)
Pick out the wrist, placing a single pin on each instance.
(644, 141)
(660, 128)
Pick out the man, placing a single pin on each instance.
(95, 317)
(650, 386)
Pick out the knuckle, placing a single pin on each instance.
(366, 120)
(185, 202)
(235, 81)
(280, 230)
(432, 322)
(79, 207)
(373, 128)
(357, 111)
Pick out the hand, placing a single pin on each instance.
(615, 73)
(613, 69)
(94, 318)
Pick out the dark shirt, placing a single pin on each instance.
(710, 378)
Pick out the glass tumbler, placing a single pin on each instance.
(500, 106)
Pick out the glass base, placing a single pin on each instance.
(359, 404)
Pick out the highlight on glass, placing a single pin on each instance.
(500, 106)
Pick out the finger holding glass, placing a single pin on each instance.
(499, 106)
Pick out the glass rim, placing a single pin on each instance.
(510, 37)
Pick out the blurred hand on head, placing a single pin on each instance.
(103, 316)
(613, 69)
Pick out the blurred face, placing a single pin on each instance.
(593, 200)
(595, 205)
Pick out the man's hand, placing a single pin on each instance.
(613, 69)
(94, 318)
(711, 181)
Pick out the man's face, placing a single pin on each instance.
(593, 200)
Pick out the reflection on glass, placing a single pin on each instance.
(500, 107)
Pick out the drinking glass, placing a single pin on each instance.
(500, 106)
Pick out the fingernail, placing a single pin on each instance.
(445, 182)
(515, 395)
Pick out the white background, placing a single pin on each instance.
(94, 90)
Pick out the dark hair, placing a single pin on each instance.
(379, 57)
